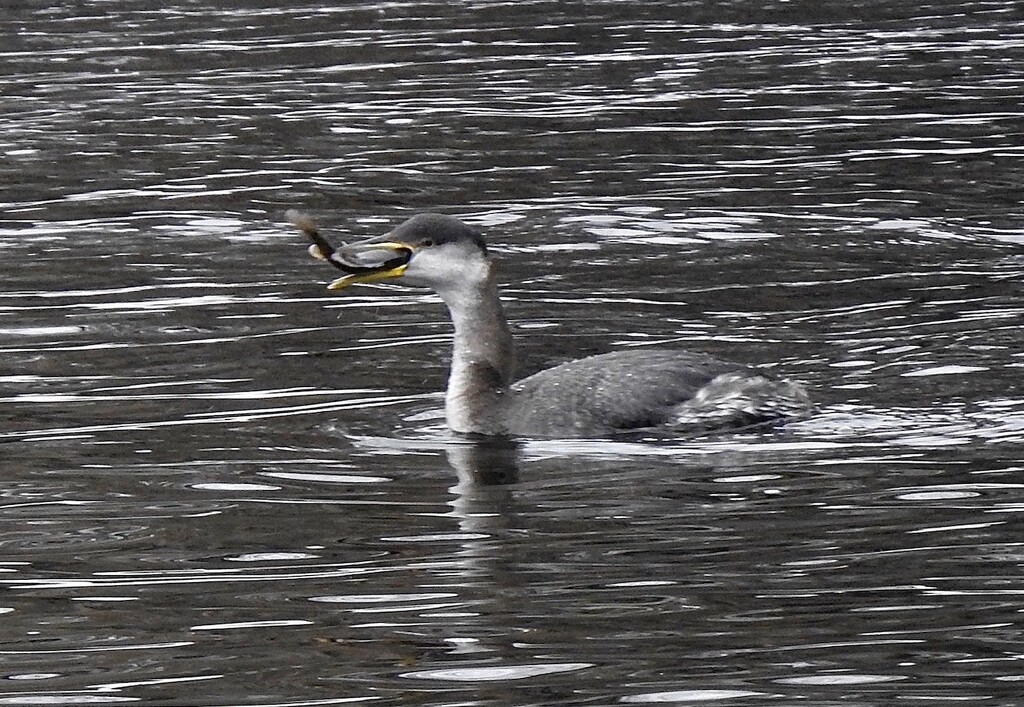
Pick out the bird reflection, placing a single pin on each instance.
(485, 461)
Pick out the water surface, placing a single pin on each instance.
(223, 485)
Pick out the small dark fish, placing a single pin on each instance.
(321, 248)
(361, 259)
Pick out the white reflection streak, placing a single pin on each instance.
(310, 703)
(101, 649)
(206, 577)
(267, 394)
(139, 345)
(282, 623)
(211, 418)
(116, 686)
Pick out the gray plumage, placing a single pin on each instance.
(612, 392)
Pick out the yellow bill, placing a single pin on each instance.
(373, 276)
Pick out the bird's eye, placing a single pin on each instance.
(426, 243)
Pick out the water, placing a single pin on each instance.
(222, 485)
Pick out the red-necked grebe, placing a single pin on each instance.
(595, 396)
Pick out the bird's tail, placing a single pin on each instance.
(742, 400)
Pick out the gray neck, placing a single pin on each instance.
(482, 359)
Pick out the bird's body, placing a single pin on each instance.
(595, 396)
(613, 392)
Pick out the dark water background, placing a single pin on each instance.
(220, 485)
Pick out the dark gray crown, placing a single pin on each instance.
(437, 229)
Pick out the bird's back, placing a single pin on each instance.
(612, 392)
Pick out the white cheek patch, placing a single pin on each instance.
(443, 267)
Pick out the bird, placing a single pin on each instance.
(625, 391)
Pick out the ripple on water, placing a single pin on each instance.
(75, 698)
(840, 679)
(684, 696)
(495, 673)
